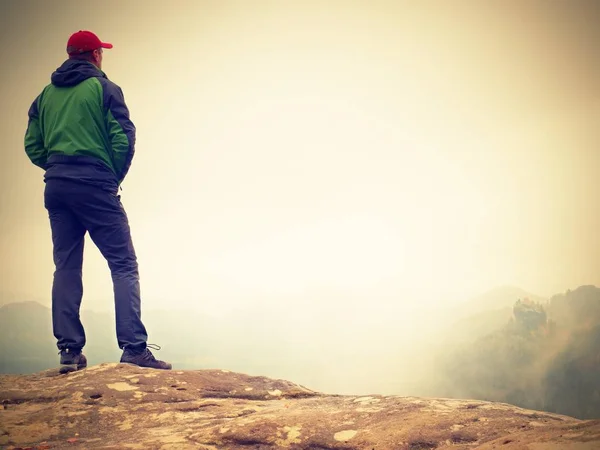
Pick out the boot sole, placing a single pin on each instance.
(146, 367)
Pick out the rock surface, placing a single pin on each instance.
(119, 406)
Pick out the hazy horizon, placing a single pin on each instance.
(386, 151)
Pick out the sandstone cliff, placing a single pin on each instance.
(118, 406)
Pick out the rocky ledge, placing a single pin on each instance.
(119, 406)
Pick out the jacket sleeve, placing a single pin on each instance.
(121, 130)
(34, 140)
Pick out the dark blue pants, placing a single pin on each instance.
(74, 209)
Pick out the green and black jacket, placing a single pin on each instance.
(79, 126)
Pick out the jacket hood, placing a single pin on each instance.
(73, 72)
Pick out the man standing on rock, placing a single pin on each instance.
(80, 133)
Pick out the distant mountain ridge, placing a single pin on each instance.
(190, 337)
(545, 356)
(313, 343)
(497, 298)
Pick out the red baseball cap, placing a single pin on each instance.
(85, 41)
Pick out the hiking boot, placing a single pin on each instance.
(144, 359)
(72, 360)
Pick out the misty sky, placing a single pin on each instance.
(424, 151)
